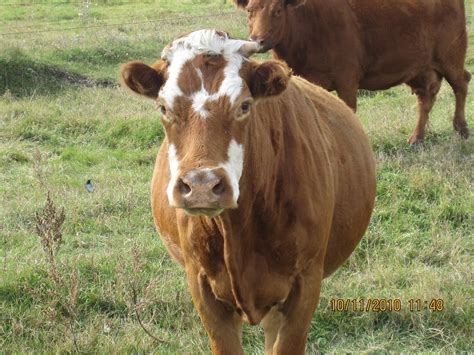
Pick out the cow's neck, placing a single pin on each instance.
(309, 26)
(261, 205)
(261, 194)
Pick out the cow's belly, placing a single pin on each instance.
(385, 81)
(392, 69)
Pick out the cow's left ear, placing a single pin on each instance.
(295, 2)
(268, 78)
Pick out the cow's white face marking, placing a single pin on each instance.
(234, 166)
(171, 90)
(232, 83)
(187, 48)
(174, 171)
(200, 97)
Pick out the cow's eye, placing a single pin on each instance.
(245, 107)
(278, 12)
(165, 114)
(162, 110)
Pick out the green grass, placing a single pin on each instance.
(59, 97)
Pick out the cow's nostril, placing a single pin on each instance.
(256, 39)
(219, 188)
(183, 187)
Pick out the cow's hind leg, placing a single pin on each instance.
(451, 56)
(459, 83)
(426, 87)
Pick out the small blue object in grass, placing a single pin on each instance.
(89, 186)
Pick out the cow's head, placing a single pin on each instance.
(267, 19)
(205, 88)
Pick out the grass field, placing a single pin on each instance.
(64, 120)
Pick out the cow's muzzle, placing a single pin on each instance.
(204, 192)
(264, 43)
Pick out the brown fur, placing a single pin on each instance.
(306, 196)
(345, 45)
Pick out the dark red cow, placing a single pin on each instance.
(345, 45)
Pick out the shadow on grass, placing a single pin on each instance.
(373, 93)
(22, 76)
(392, 146)
(114, 53)
(366, 93)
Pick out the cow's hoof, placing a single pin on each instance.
(415, 140)
(462, 130)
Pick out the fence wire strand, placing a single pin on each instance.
(78, 20)
(169, 20)
(70, 3)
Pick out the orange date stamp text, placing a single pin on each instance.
(385, 305)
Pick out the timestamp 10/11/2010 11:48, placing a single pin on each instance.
(385, 305)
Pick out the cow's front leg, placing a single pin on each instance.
(288, 330)
(348, 93)
(222, 323)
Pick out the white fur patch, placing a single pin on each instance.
(188, 47)
(199, 100)
(174, 171)
(171, 90)
(234, 166)
(232, 84)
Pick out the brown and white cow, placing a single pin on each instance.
(345, 45)
(264, 185)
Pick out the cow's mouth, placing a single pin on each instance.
(209, 212)
(265, 47)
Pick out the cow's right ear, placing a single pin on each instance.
(241, 3)
(268, 78)
(142, 78)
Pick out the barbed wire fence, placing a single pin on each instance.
(170, 20)
(55, 3)
(90, 28)
(85, 18)
(107, 36)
